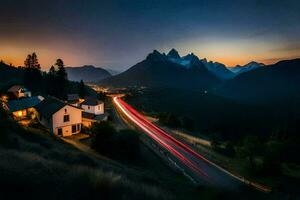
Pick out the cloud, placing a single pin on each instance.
(277, 59)
(290, 47)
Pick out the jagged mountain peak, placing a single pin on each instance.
(173, 53)
(156, 56)
(191, 56)
(253, 63)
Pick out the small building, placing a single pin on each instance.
(24, 108)
(93, 106)
(93, 111)
(88, 118)
(61, 118)
(19, 91)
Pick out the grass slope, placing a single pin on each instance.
(37, 166)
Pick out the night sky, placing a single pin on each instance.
(118, 33)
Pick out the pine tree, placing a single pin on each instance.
(33, 75)
(35, 62)
(82, 91)
(61, 72)
(52, 71)
(61, 78)
(27, 62)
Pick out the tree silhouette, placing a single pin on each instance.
(33, 76)
(61, 78)
(82, 91)
(52, 71)
(32, 62)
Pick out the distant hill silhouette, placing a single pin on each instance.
(246, 68)
(265, 85)
(10, 75)
(87, 73)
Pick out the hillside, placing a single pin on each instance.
(278, 83)
(157, 70)
(9, 75)
(211, 114)
(35, 165)
(87, 73)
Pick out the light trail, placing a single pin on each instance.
(163, 138)
(168, 147)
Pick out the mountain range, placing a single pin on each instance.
(246, 68)
(190, 61)
(171, 70)
(87, 73)
(276, 83)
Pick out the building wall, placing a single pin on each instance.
(20, 114)
(87, 122)
(27, 94)
(97, 110)
(45, 122)
(29, 113)
(21, 94)
(58, 120)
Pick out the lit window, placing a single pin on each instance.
(20, 113)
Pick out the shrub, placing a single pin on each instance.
(122, 145)
(127, 145)
(3, 126)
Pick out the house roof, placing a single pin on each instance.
(24, 103)
(72, 97)
(91, 102)
(88, 115)
(91, 116)
(50, 106)
(16, 88)
(73, 101)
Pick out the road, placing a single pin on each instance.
(200, 169)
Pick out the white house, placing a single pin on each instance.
(19, 91)
(93, 106)
(93, 111)
(62, 119)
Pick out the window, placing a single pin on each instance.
(59, 131)
(98, 107)
(66, 118)
(65, 110)
(78, 127)
(74, 128)
(88, 107)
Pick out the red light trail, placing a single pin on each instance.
(202, 167)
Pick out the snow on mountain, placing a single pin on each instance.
(248, 67)
(218, 69)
